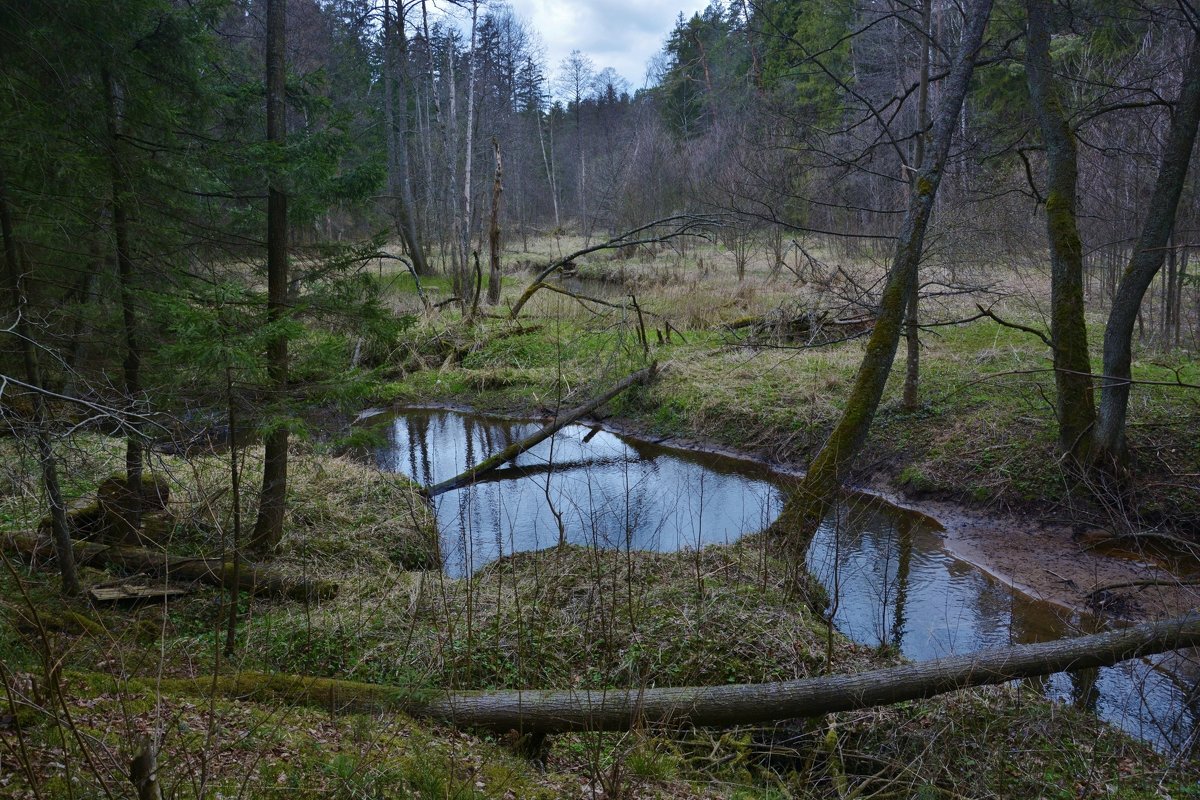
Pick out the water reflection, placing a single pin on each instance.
(605, 491)
(892, 582)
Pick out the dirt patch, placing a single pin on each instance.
(1054, 563)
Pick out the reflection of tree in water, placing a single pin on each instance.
(904, 545)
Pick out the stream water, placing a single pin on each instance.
(886, 568)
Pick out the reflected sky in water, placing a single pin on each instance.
(892, 579)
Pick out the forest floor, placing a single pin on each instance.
(571, 617)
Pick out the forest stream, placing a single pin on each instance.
(888, 571)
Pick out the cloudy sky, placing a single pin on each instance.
(618, 34)
(622, 34)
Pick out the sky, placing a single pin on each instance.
(622, 34)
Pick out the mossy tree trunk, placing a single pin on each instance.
(1111, 447)
(818, 490)
(1074, 404)
(268, 527)
(555, 711)
(494, 276)
(59, 526)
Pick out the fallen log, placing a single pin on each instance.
(556, 711)
(473, 474)
(215, 571)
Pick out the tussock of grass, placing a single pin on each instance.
(343, 517)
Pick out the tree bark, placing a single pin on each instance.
(512, 451)
(555, 711)
(494, 276)
(468, 153)
(143, 772)
(60, 528)
(1111, 446)
(228, 574)
(268, 527)
(816, 494)
(1075, 406)
(131, 366)
(395, 106)
(912, 331)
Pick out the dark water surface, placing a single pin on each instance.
(892, 580)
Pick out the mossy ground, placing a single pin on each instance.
(573, 617)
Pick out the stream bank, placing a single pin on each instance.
(891, 571)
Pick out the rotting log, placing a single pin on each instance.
(473, 474)
(556, 711)
(215, 571)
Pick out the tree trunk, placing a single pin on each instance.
(143, 772)
(1075, 406)
(548, 163)
(395, 105)
(554, 711)
(1111, 447)
(494, 276)
(803, 513)
(468, 153)
(131, 366)
(268, 527)
(59, 526)
(912, 331)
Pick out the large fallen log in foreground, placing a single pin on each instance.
(214, 571)
(542, 711)
(473, 474)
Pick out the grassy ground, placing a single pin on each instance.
(571, 617)
(984, 432)
(575, 617)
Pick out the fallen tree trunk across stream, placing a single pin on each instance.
(555, 711)
(474, 473)
(215, 571)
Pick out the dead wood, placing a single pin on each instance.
(214, 571)
(552, 711)
(512, 451)
(683, 225)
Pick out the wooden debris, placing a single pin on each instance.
(118, 591)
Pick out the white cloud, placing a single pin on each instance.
(622, 34)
